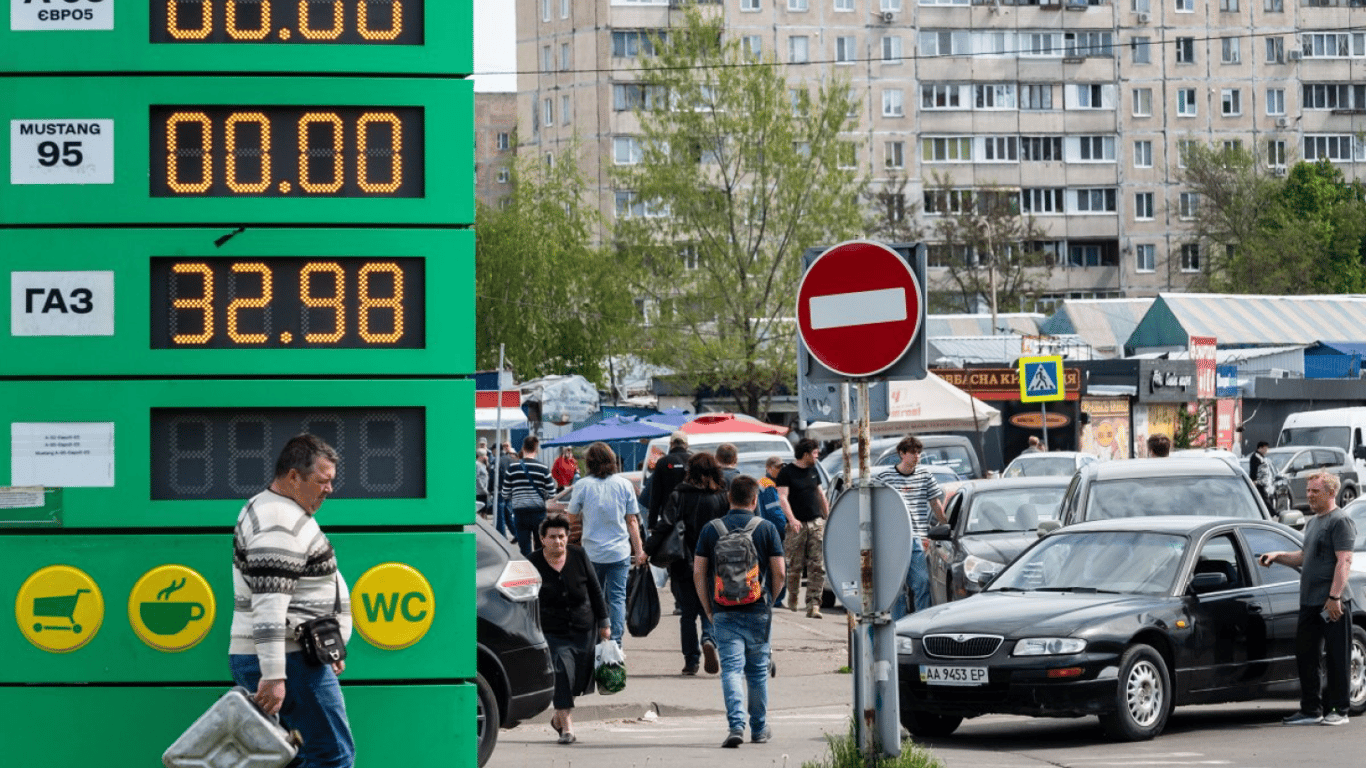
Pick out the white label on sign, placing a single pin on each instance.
(61, 304)
(839, 310)
(30, 15)
(62, 454)
(21, 498)
(61, 151)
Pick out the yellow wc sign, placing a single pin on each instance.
(392, 606)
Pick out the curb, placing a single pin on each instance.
(627, 711)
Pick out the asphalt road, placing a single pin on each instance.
(666, 720)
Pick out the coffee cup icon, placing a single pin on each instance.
(165, 618)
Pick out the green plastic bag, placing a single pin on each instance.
(609, 668)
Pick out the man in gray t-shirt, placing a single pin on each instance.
(1324, 628)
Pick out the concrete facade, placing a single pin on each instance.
(1078, 106)
(495, 132)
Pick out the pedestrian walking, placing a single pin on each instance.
(573, 617)
(925, 501)
(728, 458)
(606, 503)
(737, 570)
(566, 468)
(284, 573)
(1323, 632)
(503, 516)
(668, 472)
(526, 487)
(803, 501)
(698, 500)
(1263, 473)
(481, 480)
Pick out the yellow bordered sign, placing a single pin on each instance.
(59, 608)
(392, 606)
(171, 608)
(1041, 379)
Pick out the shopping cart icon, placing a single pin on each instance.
(58, 607)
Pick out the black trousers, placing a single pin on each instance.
(1328, 642)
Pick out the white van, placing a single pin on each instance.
(1343, 428)
(749, 446)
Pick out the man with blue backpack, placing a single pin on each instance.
(738, 570)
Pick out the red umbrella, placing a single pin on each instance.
(730, 422)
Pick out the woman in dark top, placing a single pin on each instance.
(572, 613)
(697, 500)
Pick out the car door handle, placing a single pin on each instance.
(1252, 605)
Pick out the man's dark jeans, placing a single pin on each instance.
(1329, 641)
(528, 527)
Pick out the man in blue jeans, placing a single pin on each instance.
(925, 501)
(741, 628)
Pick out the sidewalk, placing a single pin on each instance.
(662, 709)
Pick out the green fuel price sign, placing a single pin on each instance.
(179, 302)
(236, 150)
(395, 36)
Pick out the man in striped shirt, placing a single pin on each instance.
(284, 573)
(526, 486)
(923, 496)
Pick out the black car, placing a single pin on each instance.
(990, 522)
(515, 679)
(1123, 619)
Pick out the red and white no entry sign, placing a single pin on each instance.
(858, 308)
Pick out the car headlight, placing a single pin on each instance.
(1049, 646)
(905, 644)
(979, 570)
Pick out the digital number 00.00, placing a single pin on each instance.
(353, 22)
(287, 302)
(286, 151)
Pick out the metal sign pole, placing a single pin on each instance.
(864, 699)
(1043, 423)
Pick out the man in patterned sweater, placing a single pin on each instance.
(284, 573)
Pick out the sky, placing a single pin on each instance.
(495, 45)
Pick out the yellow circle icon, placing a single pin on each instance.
(59, 608)
(171, 608)
(392, 606)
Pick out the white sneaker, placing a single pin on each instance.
(1334, 718)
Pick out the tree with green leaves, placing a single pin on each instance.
(741, 170)
(1264, 234)
(542, 288)
(992, 249)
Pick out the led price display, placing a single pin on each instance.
(315, 151)
(229, 453)
(287, 303)
(346, 22)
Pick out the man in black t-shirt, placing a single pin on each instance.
(668, 473)
(804, 505)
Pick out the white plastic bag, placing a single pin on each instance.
(609, 668)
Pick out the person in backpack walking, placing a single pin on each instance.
(698, 500)
(738, 568)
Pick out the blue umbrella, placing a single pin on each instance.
(613, 429)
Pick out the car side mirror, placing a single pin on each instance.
(940, 532)
(1048, 526)
(1359, 452)
(1208, 582)
(1293, 518)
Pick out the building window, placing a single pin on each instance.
(1230, 6)
(995, 96)
(1101, 200)
(548, 112)
(1337, 148)
(1000, 149)
(1041, 148)
(1142, 50)
(895, 156)
(564, 9)
(630, 96)
(798, 49)
(891, 49)
(1185, 6)
(1190, 257)
(547, 59)
(1099, 149)
(504, 140)
(1145, 257)
(1185, 50)
(892, 105)
(1334, 96)
(941, 201)
(1141, 6)
(1334, 45)
(1231, 102)
(629, 206)
(844, 49)
(504, 175)
(1036, 97)
(1088, 43)
(1042, 200)
(1273, 6)
(631, 43)
(1185, 102)
(1092, 96)
(801, 101)
(1143, 205)
(1275, 153)
(946, 149)
(564, 57)
(847, 154)
(626, 150)
(1087, 256)
(1143, 154)
(1183, 149)
(1275, 101)
(1188, 204)
(1143, 102)
(545, 10)
(894, 204)
(752, 46)
(940, 97)
(564, 110)
(889, 5)
(796, 5)
(844, 5)
(749, 5)
(945, 43)
(1275, 50)
(1232, 50)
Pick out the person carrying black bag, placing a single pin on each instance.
(526, 486)
(696, 501)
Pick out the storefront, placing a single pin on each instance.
(1001, 388)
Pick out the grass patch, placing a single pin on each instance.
(844, 670)
(843, 752)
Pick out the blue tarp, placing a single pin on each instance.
(611, 430)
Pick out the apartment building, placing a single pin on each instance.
(1078, 108)
(495, 131)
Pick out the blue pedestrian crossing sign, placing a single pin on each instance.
(1041, 379)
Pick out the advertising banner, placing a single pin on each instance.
(1107, 435)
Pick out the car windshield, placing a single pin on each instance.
(1146, 496)
(954, 458)
(1329, 436)
(1013, 510)
(1358, 514)
(1042, 466)
(1279, 459)
(1122, 562)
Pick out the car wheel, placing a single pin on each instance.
(486, 719)
(1143, 698)
(1347, 495)
(1356, 683)
(928, 724)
